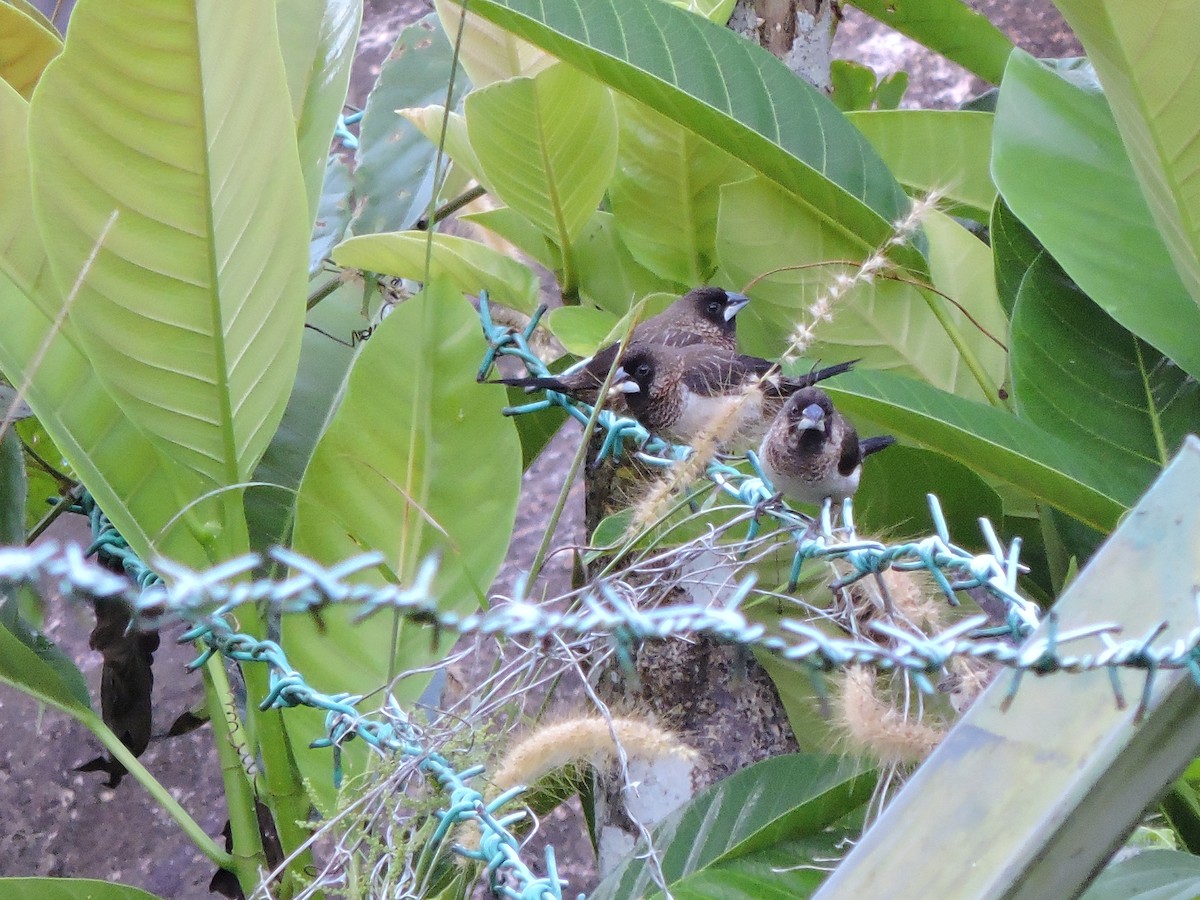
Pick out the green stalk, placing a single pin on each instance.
(539, 558)
(161, 795)
(248, 857)
(990, 391)
(285, 794)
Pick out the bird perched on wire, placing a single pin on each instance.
(811, 451)
(680, 393)
(703, 316)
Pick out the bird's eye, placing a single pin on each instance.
(642, 371)
(714, 307)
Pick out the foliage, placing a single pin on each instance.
(631, 148)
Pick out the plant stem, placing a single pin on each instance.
(248, 857)
(190, 826)
(990, 390)
(580, 455)
(322, 292)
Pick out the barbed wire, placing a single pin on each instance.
(206, 600)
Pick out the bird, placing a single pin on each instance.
(702, 316)
(811, 451)
(680, 393)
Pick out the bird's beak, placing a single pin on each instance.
(622, 383)
(813, 419)
(737, 302)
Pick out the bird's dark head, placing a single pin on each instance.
(635, 376)
(809, 409)
(717, 306)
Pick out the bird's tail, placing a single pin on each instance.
(786, 385)
(545, 382)
(875, 444)
(828, 372)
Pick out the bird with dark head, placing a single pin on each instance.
(703, 316)
(811, 451)
(680, 393)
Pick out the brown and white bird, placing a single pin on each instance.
(703, 316)
(811, 451)
(680, 393)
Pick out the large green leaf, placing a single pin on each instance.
(468, 265)
(489, 54)
(546, 145)
(885, 323)
(1060, 166)
(12, 486)
(134, 485)
(325, 358)
(893, 496)
(1144, 56)
(317, 38)
(70, 889)
(25, 670)
(417, 460)
(991, 441)
(192, 312)
(333, 213)
(664, 194)
(726, 90)
(1081, 376)
(948, 151)
(1014, 250)
(393, 176)
(950, 27)
(1151, 875)
(26, 46)
(785, 798)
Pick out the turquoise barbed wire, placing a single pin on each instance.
(204, 599)
(499, 849)
(996, 572)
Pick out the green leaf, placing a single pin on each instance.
(69, 889)
(1152, 875)
(717, 11)
(1014, 249)
(547, 146)
(664, 194)
(951, 28)
(779, 799)
(134, 485)
(26, 46)
(394, 162)
(787, 871)
(609, 276)
(318, 38)
(581, 329)
(469, 265)
(192, 313)
(1141, 54)
(1082, 377)
(892, 498)
(947, 151)
(12, 486)
(520, 232)
(489, 54)
(853, 85)
(1060, 167)
(25, 670)
(417, 460)
(885, 323)
(994, 443)
(333, 214)
(61, 667)
(324, 362)
(720, 87)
